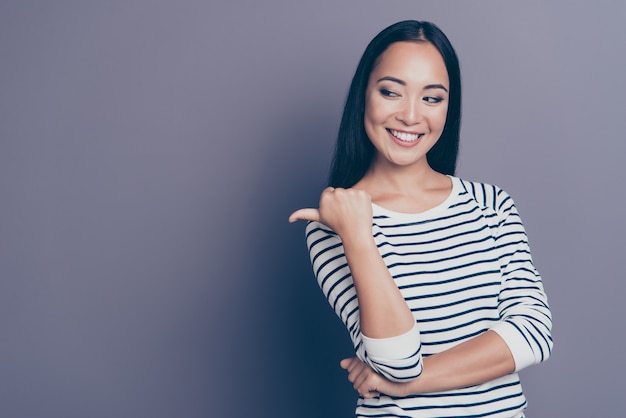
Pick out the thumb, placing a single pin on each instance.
(306, 214)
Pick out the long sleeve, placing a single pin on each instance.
(526, 321)
(463, 268)
(397, 358)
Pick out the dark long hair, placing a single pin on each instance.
(354, 151)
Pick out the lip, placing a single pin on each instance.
(405, 143)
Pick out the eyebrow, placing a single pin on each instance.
(403, 83)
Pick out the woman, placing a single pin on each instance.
(431, 274)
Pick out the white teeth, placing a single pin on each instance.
(404, 136)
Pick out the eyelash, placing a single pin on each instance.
(433, 100)
(427, 99)
(388, 93)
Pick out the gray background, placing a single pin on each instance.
(151, 151)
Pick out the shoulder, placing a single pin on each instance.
(323, 244)
(318, 227)
(487, 196)
(317, 233)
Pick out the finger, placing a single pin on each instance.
(346, 363)
(350, 363)
(371, 394)
(363, 379)
(358, 379)
(368, 391)
(366, 385)
(307, 214)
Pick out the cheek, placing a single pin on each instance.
(440, 117)
(372, 119)
(370, 123)
(377, 111)
(370, 111)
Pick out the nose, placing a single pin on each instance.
(410, 114)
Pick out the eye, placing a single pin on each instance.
(432, 100)
(388, 93)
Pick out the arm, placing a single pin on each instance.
(357, 283)
(382, 308)
(520, 338)
(526, 320)
(481, 359)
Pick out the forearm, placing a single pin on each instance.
(382, 308)
(479, 360)
(357, 283)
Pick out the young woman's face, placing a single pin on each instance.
(406, 103)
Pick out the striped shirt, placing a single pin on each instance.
(463, 267)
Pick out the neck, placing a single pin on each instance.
(406, 189)
(407, 180)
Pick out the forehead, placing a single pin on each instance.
(411, 62)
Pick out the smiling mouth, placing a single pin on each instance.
(405, 136)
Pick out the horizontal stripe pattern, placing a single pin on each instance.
(463, 268)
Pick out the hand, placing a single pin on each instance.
(345, 211)
(368, 383)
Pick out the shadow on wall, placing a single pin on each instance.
(293, 342)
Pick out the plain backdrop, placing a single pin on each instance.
(151, 151)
